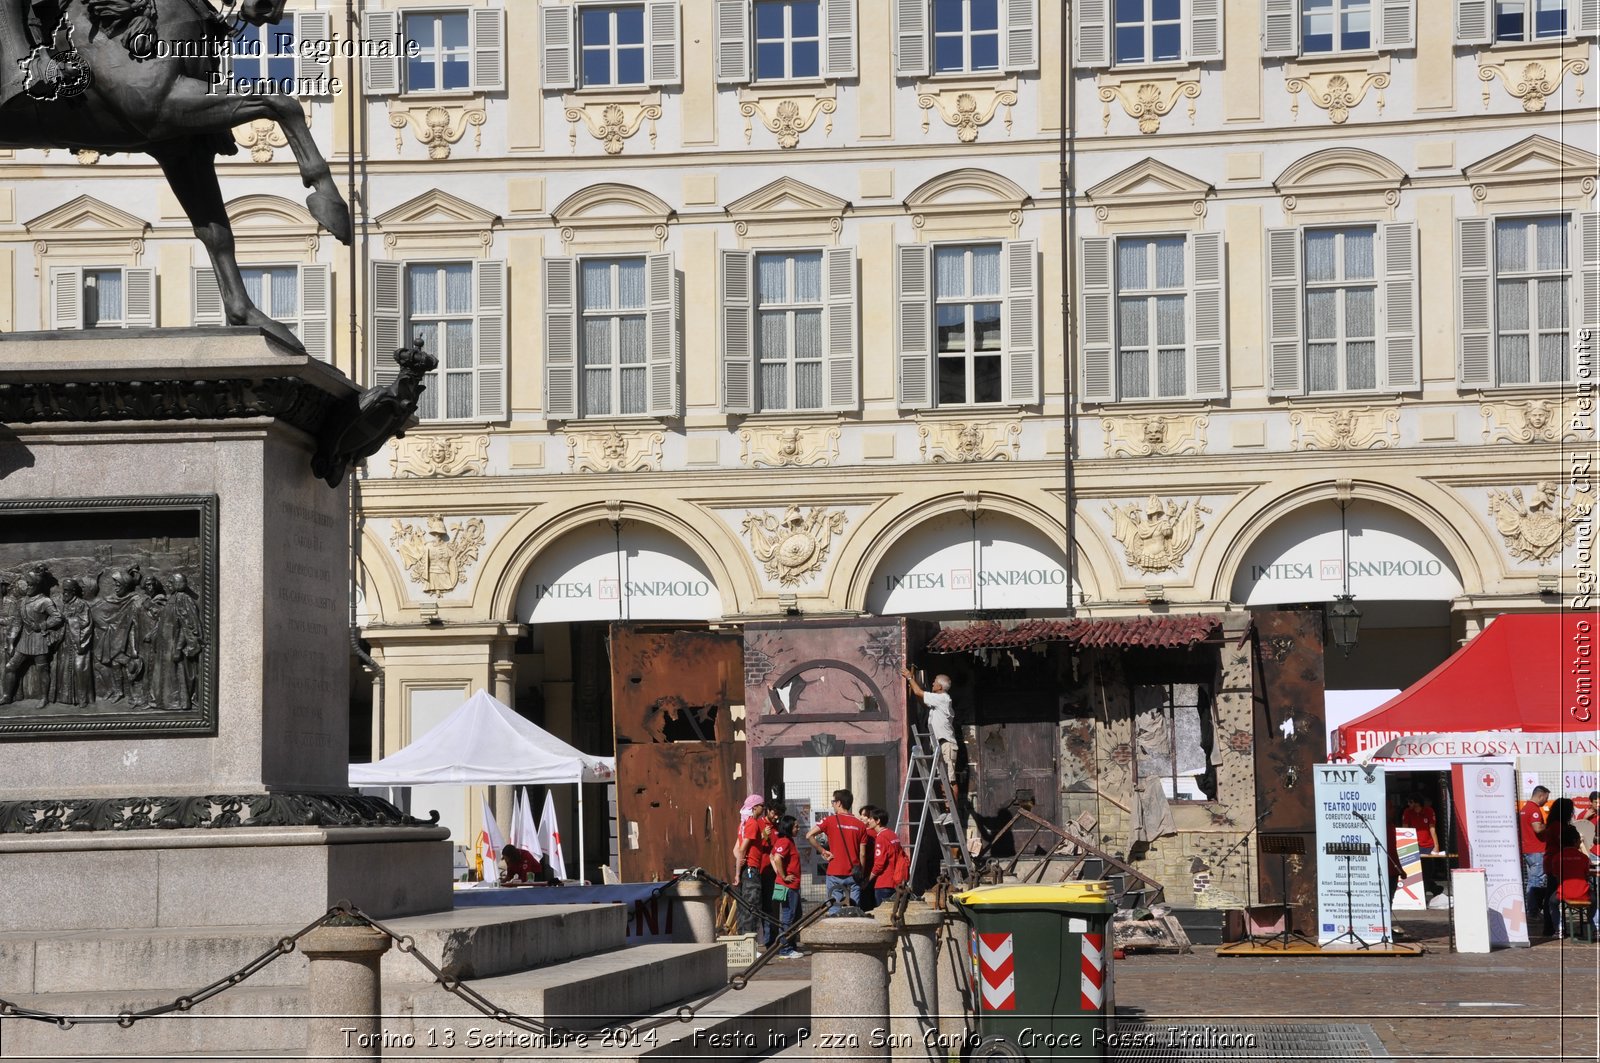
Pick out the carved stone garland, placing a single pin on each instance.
(786, 115)
(1156, 435)
(1337, 91)
(1533, 81)
(425, 456)
(612, 121)
(793, 447)
(438, 128)
(970, 441)
(613, 451)
(1350, 428)
(263, 137)
(968, 109)
(1147, 101)
(1535, 421)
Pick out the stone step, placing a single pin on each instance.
(263, 1017)
(479, 942)
(582, 994)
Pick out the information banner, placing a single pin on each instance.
(1408, 893)
(1486, 794)
(1352, 891)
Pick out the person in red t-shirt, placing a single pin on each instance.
(519, 864)
(1567, 868)
(753, 854)
(1530, 821)
(786, 888)
(841, 839)
(890, 864)
(1421, 819)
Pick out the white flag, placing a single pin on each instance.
(490, 842)
(550, 837)
(514, 835)
(525, 828)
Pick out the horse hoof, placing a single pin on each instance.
(331, 213)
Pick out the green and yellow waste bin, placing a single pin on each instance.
(1041, 971)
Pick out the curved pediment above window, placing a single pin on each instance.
(437, 221)
(1342, 181)
(612, 217)
(967, 202)
(787, 209)
(271, 225)
(1534, 172)
(1149, 193)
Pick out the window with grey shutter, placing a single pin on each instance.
(1585, 16)
(1474, 22)
(560, 338)
(914, 325)
(488, 30)
(1587, 310)
(312, 29)
(910, 38)
(1400, 353)
(1474, 307)
(737, 342)
(1091, 33)
(1205, 31)
(557, 29)
(732, 41)
(1280, 28)
(1397, 24)
(1020, 260)
(316, 310)
(662, 324)
(1285, 296)
(841, 357)
(205, 298)
(1096, 335)
(839, 38)
(489, 284)
(1020, 40)
(388, 320)
(139, 295)
(380, 74)
(1208, 315)
(661, 42)
(66, 297)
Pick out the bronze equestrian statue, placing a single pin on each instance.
(99, 75)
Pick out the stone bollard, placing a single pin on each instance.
(849, 988)
(955, 969)
(346, 991)
(694, 911)
(913, 983)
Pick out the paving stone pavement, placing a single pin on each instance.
(1534, 1004)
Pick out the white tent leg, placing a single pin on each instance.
(580, 833)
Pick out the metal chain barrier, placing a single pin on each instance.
(347, 913)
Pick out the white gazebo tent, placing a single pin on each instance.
(485, 743)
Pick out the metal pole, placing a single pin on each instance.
(580, 830)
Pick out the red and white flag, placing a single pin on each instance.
(490, 842)
(550, 838)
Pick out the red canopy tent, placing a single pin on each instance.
(1524, 672)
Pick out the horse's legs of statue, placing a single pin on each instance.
(325, 203)
(191, 171)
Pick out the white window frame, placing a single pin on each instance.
(1393, 28)
(1148, 24)
(561, 45)
(615, 315)
(966, 34)
(67, 289)
(269, 35)
(1151, 295)
(969, 301)
(267, 286)
(385, 75)
(1339, 9)
(790, 359)
(563, 337)
(313, 320)
(443, 56)
(1532, 8)
(433, 337)
(1531, 279)
(1343, 284)
(612, 48)
(306, 70)
(788, 40)
(92, 274)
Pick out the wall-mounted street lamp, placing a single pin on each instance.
(1344, 619)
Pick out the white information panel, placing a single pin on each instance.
(1486, 794)
(1352, 891)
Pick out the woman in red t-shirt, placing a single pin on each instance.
(1567, 868)
(786, 887)
(890, 865)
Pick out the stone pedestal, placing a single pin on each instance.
(954, 963)
(160, 454)
(695, 911)
(347, 991)
(913, 981)
(849, 987)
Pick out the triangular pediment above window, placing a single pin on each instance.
(1537, 155)
(88, 217)
(1149, 181)
(436, 208)
(787, 196)
(1533, 173)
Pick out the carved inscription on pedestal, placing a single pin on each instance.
(108, 616)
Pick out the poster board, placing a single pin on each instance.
(1408, 892)
(1486, 794)
(1352, 891)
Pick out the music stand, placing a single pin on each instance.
(1349, 850)
(1283, 846)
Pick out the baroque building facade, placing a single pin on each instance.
(757, 309)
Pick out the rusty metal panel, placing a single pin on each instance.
(1015, 759)
(679, 759)
(1289, 739)
(829, 688)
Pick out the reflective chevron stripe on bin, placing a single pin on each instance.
(996, 972)
(1094, 971)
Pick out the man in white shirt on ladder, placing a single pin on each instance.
(942, 724)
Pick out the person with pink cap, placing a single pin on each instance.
(753, 855)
